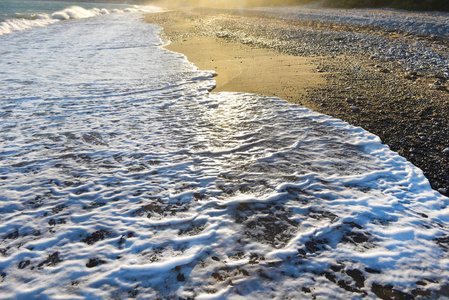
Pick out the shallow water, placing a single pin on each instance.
(122, 176)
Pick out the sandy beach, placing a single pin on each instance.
(244, 69)
(374, 76)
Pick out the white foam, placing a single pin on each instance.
(24, 24)
(70, 13)
(74, 12)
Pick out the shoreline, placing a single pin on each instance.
(347, 71)
(241, 68)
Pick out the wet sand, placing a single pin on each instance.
(241, 68)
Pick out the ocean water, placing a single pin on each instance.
(21, 15)
(121, 176)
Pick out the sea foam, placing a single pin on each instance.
(73, 12)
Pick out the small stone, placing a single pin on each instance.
(434, 86)
(93, 262)
(180, 277)
(446, 151)
(306, 289)
(355, 108)
(349, 99)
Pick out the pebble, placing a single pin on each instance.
(355, 108)
(446, 151)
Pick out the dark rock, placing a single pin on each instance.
(93, 262)
(180, 277)
(387, 292)
(23, 264)
(330, 277)
(301, 253)
(346, 286)
(58, 209)
(52, 260)
(443, 242)
(444, 290)
(358, 277)
(421, 293)
(337, 268)
(306, 290)
(217, 276)
(96, 236)
(13, 235)
(372, 271)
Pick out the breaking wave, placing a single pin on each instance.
(24, 22)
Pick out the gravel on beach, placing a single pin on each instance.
(386, 70)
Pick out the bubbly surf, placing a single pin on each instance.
(121, 176)
(19, 15)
